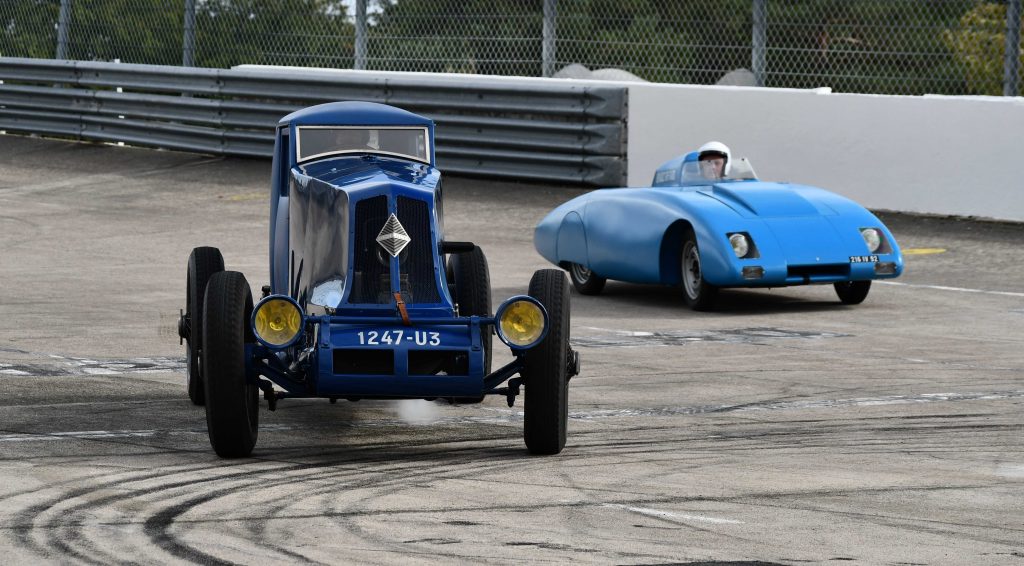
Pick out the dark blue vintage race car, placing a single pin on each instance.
(707, 229)
(367, 300)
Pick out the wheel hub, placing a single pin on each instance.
(184, 329)
(582, 273)
(691, 272)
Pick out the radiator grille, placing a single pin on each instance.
(417, 260)
(371, 269)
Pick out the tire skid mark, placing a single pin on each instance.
(759, 335)
(381, 469)
(364, 466)
(514, 417)
(29, 515)
(69, 517)
(330, 485)
(450, 469)
(158, 527)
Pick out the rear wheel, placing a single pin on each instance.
(232, 401)
(698, 293)
(852, 292)
(473, 294)
(203, 262)
(545, 370)
(585, 281)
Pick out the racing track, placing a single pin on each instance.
(782, 429)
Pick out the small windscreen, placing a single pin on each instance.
(320, 141)
(696, 174)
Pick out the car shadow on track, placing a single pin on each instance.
(624, 300)
(313, 430)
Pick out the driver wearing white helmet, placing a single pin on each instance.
(714, 158)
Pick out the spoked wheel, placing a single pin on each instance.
(698, 293)
(585, 281)
(232, 401)
(202, 264)
(545, 370)
(473, 294)
(852, 292)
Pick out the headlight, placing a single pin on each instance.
(740, 244)
(521, 322)
(277, 321)
(872, 238)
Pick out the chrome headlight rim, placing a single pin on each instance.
(509, 302)
(268, 299)
(740, 243)
(750, 252)
(874, 241)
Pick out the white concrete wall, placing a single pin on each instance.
(962, 156)
(933, 154)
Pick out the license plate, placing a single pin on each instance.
(422, 338)
(863, 259)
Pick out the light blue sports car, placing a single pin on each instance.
(708, 229)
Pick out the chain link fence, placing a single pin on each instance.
(868, 46)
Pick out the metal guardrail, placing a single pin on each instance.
(492, 128)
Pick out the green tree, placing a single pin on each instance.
(457, 36)
(979, 44)
(127, 30)
(313, 33)
(877, 46)
(28, 28)
(659, 40)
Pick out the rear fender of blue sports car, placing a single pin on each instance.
(628, 234)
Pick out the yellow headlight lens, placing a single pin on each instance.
(522, 323)
(278, 322)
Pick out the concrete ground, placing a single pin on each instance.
(783, 428)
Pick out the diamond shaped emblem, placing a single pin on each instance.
(393, 236)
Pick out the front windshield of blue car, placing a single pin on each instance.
(314, 142)
(694, 174)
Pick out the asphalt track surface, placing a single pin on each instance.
(784, 428)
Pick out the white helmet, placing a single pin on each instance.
(716, 148)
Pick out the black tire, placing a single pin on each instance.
(585, 281)
(473, 293)
(545, 371)
(698, 293)
(852, 292)
(232, 401)
(203, 262)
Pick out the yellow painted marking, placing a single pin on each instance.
(924, 251)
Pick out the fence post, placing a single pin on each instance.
(188, 50)
(759, 41)
(62, 29)
(1011, 64)
(360, 60)
(550, 33)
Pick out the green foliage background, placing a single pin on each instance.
(876, 46)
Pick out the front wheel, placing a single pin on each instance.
(545, 369)
(852, 292)
(585, 281)
(472, 280)
(232, 400)
(473, 292)
(203, 262)
(698, 293)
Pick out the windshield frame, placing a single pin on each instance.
(690, 174)
(424, 130)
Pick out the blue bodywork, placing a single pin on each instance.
(801, 234)
(325, 215)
